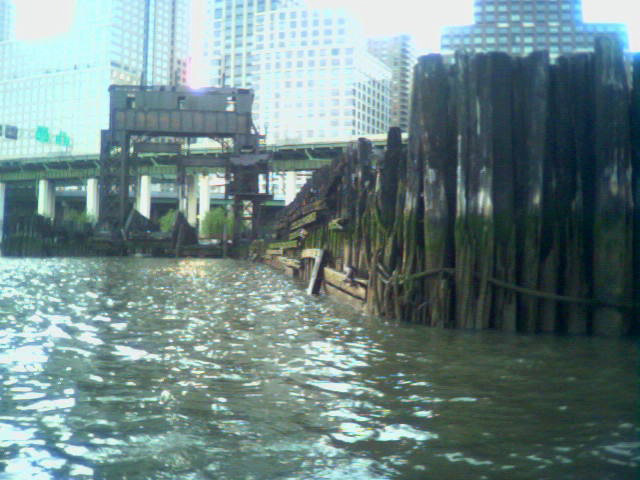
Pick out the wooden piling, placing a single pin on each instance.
(413, 215)
(530, 110)
(433, 141)
(612, 259)
(635, 145)
(576, 280)
(513, 207)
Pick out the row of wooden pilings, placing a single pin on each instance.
(37, 236)
(512, 207)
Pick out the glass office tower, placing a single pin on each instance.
(55, 89)
(315, 79)
(523, 26)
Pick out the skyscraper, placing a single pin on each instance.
(7, 19)
(520, 27)
(55, 90)
(230, 32)
(398, 53)
(314, 77)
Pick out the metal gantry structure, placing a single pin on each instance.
(143, 118)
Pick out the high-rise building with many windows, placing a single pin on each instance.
(398, 53)
(523, 26)
(314, 77)
(7, 20)
(230, 38)
(55, 90)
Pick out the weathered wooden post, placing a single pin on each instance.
(635, 145)
(347, 200)
(485, 232)
(433, 145)
(550, 229)
(413, 215)
(578, 230)
(364, 185)
(384, 248)
(531, 86)
(612, 259)
(387, 178)
(497, 143)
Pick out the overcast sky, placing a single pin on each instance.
(423, 19)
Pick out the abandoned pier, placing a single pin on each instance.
(514, 206)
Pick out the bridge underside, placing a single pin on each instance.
(283, 159)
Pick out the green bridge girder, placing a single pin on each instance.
(310, 156)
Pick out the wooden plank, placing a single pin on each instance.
(273, 251)
(310, 252)
(340, 280)
(307, 220)
(290, 262)
(338, 224)
(314, 281)
(298, 213)
(316, 206)
(284, 245)
(344, 297)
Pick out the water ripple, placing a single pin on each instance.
(149, 368)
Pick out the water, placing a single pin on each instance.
(214, 369)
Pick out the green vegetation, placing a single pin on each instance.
(77, 218)
(167, 220)
(215, 221)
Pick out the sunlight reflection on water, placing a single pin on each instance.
(150, 368)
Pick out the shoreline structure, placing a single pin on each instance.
(514, 207)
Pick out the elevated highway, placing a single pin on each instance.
(72, 168)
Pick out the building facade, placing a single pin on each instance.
(55, 90)
(520, 27)
(315, 79)
(7, 19)
(229, 38)
(399, 54)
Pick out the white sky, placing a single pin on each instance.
(423, 19)
(39, 19)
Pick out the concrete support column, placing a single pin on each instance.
(46, 198)
(93, 199)
(3, 191)
(289, 187)
(205, 201)
(143, 200)
(192, 200)
(188, 199)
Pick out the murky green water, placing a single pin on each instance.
(193, 369)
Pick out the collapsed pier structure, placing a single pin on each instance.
(514, 207)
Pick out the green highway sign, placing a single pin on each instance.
(63, 139)
(42, 134)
